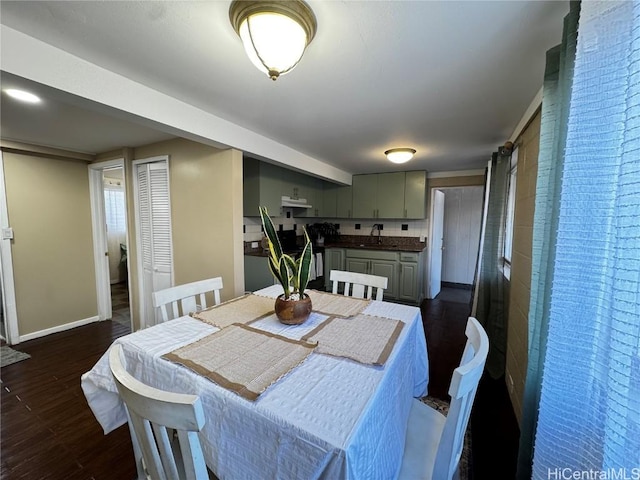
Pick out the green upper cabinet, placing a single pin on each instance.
(344, 202)
(265, 184)
(329, 200)
(262, 186)
(337, 202)
(415, 194)
(309, 188)
(395, 195)
(390, 195)
(365, 191)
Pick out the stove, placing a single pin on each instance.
(288, 241)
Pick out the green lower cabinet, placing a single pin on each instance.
(256, 273)
(389, 269)
(408, 282)
(375, 262)
(333, 260)
(403, 270)
(411, 277)
(357, 265)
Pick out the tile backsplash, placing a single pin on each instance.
(391, 228)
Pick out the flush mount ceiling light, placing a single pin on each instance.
(275, 33)
(400, 155)
(22, 95)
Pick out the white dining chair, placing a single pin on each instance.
(356, 283)
(434, 443)
(164, 427)
(186, 298)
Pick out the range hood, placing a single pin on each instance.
(295, 202)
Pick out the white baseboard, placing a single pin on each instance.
(58, 328)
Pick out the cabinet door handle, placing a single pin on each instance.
(405, 213)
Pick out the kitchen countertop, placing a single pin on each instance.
(364, 242)
(367, 242)
(376, 246)
(259, 252)
(256, 253)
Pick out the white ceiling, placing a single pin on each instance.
(448, 78)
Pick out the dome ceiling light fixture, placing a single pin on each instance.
(400, 155)
(275, 33)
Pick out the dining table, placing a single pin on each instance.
(339, 411)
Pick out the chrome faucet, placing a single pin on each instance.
(376, 226)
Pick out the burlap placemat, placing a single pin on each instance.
(337, 305)
(242, 359)
(245, 309)
(366, 339)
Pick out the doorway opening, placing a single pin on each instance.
(110, 232)
(455, 236)
(115, 209)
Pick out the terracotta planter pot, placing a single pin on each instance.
(293, 312)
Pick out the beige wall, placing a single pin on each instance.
(520, 284)
(49, 211)
(456, 181)
(206, 213)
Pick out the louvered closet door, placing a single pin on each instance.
(154, 225)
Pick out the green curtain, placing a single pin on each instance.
(490, 308)
(553, 134)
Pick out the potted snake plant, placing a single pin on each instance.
(293, 307)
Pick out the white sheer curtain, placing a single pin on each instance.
(589, 417)
(115, 212)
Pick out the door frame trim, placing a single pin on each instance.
(7, 281)
(432, 194)
(98, 221)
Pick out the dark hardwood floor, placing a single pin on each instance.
(494, 428)
(48, 431)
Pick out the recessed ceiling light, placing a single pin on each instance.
(22, 95)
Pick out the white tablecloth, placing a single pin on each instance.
(328, 418)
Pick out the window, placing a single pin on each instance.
(115, 209)
(510, 216)
(116, 224)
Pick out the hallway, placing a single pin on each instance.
(120, 310)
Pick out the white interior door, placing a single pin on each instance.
(435, 244)
(462, 221)
(153, 221)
